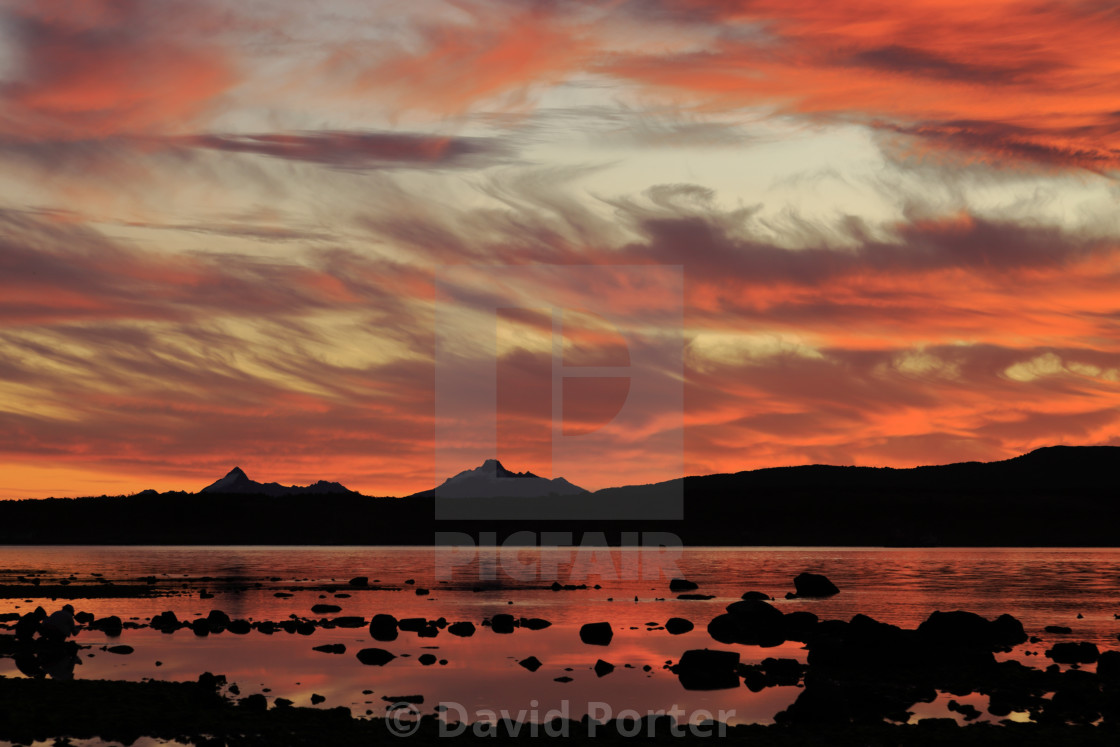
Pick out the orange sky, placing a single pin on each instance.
(222, 227)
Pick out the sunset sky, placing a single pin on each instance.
(221, 226)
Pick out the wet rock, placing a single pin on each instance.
(799, 625)
(967, 710)
(565, 678)
(461, 629)
(377, 657)
(1070, 652)
(383, 628)
(603, 668)
(427, 659)
(83, 618)
(961, 628)
(692, 597)
(359, 581)
(683, 584)
(411, 624)
(283, 703)
(814, 585)
(211, 681)
(283, 595)
(1058, 629)
(305, 627)
(325, 609)
(331, 648)
(200, 627)
(422, 592)
(596, 634)
(678, 625)
(532, 663)
(120, 649)
(348, 621)
(316, 699)
(1108, 665)
(502, 623)
(707, 669)
(428, 631)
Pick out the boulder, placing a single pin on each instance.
(359, 581)
(411, 624)
(603, 668)
(534, 623)
(325, 609)
(383, 628)
(240, 627)
(705, 669)
(427, 659)
(814, 585)
(756, 595)
(596, 634)
(751, 622)
(683, 584)
(110, 626)
(461, 629)
(502, 623)
(1069, 652)
(316, 699)
(165, 622)
(532, 663)
(678, 625)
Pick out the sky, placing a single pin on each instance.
(886, 234)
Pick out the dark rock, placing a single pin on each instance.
(461, 629)
(256, 703)
(412, 624)
(428, 631)
(359, 581)
(693, 597)
(200, 627)
(596, 634)
(758, 595)
(316, 699)
(330, 648)
(427, 659)
(83, 618)
(377, 657)
(348, 621)
(110, 626)
(603, 668)
(414, 699)
(120, 649)
(534, 623)
(705, 669)
(240, 627)
(325, 609)
(1069, 652)
(217, 621)
(961, 629)
(969, 712)
(502, 623)
(422, 592)
(565, 678)
(383, 628)
(1058, 629)
(683, 584)
(165, 622)
(751, 622)
(814, 585)
(1108, 665)
(799, 625)
(532, 663)
(283, 703)
(678, 625)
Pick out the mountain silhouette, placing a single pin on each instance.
(492, 480)
(236, 482)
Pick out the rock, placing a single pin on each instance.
(411, 624)
(693, 597)
(427, 659)
(414, 699)
(377, 657)
(316, 699)
(502, 623)
(348, 621)
(751, 622)
(532, 663)
(683, 584)
(756, 595)
(255, 703)
(330, 648)
(240, 627)
(678, 625)
(283, 703)
(359, 581)
(83, 618)
(325, 609)
(969, 712)
(110, 626)
(1108, 665)
(422, 592)
(705, 669)
(799, 625)
(1069, 652)
(596, 634)
(200, 627)
(461, 629)
(565, 678)
(428, 631)
(1058, 629)
(165, 622)
(120, 649)
(814, 585)
(383, 628)
(603, 668)
(534, 623)
(959, 629)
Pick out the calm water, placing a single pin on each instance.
(1039, 586)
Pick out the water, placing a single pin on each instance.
(900, 586)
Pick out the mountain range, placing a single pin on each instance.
(236, 482)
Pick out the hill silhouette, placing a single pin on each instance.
(1055, 496)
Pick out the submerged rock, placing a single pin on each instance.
(377, 657)
(678, 625)
(707, 669)
(462, 629)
